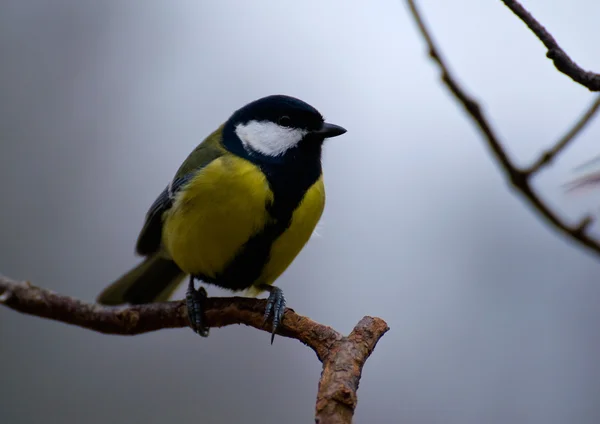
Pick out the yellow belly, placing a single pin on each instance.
(221, 208)
(290, 243)
(215, 215)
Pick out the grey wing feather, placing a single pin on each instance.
(149, 240)
(150, 237)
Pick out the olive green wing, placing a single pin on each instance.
(149, 240)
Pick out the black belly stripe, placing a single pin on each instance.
(289, 181)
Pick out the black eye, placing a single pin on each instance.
(284, 121)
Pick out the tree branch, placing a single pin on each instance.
(551, 154)
(519, 178)
(342, 369)
(342, 357)
(561, 60)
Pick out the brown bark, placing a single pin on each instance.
(519, 178)
(559, 57)
(342, 357)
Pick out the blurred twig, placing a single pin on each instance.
(587, 181)
(551, 154)
(519, 178)
(342, 357)
(561, 60)
(587, 163)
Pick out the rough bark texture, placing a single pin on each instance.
(342, 369)
(342, 357)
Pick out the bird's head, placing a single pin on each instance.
(274, 127)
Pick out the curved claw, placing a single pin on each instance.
(195, 300)
(275, 307)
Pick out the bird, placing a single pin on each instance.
(236, 214)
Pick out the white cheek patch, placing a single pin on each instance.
(268, 138)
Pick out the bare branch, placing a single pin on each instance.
(519, 179)
(342, 369)
(342, 357)
(587, 163)
(551, 154)
(587, 181)
(561, 60)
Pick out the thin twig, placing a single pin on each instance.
(519, 179)
(587, 163)
(547, 158)
(342, 357)
(587, 181)
(561, 59)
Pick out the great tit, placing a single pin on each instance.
(238, 211)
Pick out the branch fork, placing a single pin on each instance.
(342, 356)
(519, 178)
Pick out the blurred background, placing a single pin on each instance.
(494, 317)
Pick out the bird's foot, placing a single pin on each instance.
(196, 302)
(275, 307)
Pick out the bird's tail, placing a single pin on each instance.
(153, 280)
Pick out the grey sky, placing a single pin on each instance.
(494, 318)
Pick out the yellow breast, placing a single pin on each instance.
(290, 243)
(220, 209)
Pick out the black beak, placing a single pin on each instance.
(330, 130)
